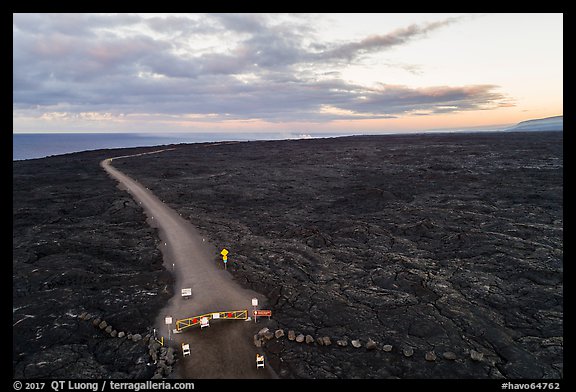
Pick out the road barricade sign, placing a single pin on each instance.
(225, 315)
(186, 293)
(261, 313)
(259, 361)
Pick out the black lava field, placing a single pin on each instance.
(446, 250)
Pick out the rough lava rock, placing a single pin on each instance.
(81, 246)
(444, 241)
(451, 241)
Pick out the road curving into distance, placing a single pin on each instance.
(225, 349)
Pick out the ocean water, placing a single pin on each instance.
(40, 145)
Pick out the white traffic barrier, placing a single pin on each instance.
(259, 361)
(185, 349)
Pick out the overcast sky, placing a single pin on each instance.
(309, 73)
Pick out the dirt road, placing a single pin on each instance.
(225, 349)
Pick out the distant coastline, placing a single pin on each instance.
(40, 145)
(555, 123)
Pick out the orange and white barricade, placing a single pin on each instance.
(259, 361)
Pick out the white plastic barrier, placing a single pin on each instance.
(259, 361)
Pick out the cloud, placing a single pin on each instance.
(244, 23)
(374, 43)
(214, 67)
(439, 99)
(71, 24)
(180, 25)
(88, 116)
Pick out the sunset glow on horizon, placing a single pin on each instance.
(313, 73)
